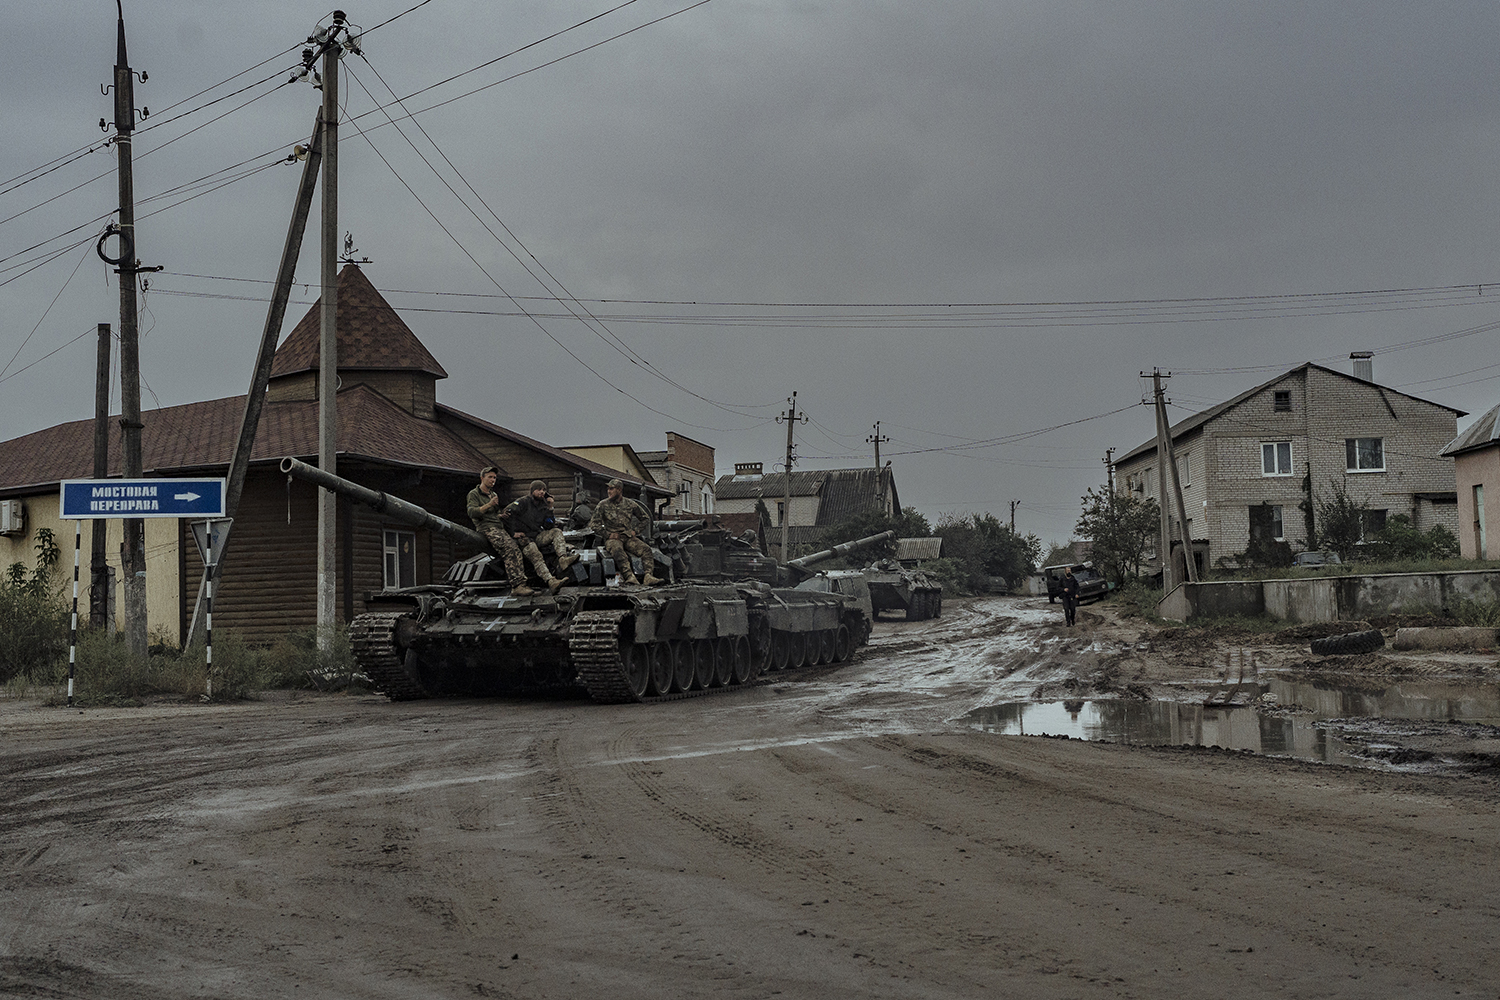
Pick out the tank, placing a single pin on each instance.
(894, 587)
(726, 615)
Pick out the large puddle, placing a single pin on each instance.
(1304, 720)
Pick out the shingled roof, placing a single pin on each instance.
(203, 435)
(371, 336)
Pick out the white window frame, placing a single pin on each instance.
(1353, 444)
(390, 539)
(1185, 468)
(1279, 518)
(1275, 453)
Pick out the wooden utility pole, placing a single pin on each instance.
(327, 342)
(255, 400)
(876, 439)
(1013, 505)
(98, 560)
(791, 416)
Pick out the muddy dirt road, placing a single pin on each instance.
(837, 837)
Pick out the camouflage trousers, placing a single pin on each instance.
(616, 548)
(509, 553)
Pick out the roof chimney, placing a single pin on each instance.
(1363, 367)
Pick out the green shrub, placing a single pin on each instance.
(1483, 614)
(34, 617)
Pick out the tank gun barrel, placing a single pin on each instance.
(384, 503)
(801, 563)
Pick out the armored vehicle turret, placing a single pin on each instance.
(725, 615)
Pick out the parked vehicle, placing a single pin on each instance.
(1091, 586)
(1317, 559)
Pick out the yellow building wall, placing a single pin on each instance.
(616, 458)
(163, 584)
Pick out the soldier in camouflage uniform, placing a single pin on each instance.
(533, 525)
(620, 522)
(484, 511)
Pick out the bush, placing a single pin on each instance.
(34, 617)
(1401, 541)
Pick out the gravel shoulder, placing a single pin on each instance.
(829, 835)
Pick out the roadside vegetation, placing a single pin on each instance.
(35, 619)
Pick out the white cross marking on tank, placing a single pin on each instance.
(492, 624)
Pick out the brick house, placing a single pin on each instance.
(1250, 465)
(1476, 467)
(686, 468)
(392, 435)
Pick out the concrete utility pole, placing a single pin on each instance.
(133, 549)
(791, 416)
(98, 561)
(327, 342)
(1167, 463)
(1109, 471)
(1013, 505)
(876, 439)
(1164, 548)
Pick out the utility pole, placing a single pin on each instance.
(876, 439)
(98, 561)
(791, 416)
(133, 548)
(1013, 505)
(255, 400)
(1164, 549)
(327, 339)
(1109, 471)
(1167, 465)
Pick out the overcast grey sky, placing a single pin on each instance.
(958, 217)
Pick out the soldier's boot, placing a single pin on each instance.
(629, 577)
(555, 584)
(521, 590)
(566, 561)
(652, 580)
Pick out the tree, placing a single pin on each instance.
(1342, 520)
(1122, 527)
(981, 547)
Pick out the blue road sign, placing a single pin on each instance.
(85, 499)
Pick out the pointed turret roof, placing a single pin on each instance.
(371, 336)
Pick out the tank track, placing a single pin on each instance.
(373, 638)
(594, 647)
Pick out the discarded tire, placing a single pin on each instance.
(1348, 644)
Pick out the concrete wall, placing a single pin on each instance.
(1331, 598)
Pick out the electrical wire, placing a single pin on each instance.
(43, 318)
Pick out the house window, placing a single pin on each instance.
(1266, 523)
(708, 499)
(1185, 469)
(1364, 454)
(1283, 401)
(1276, 458)
(780, 512)
(400, 559)
(1371, 523)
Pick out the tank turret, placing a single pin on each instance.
(801, 567)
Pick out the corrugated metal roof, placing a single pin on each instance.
(1483, 432)
(918, 548)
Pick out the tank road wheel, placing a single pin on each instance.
(723, 660)
(745, 667)
(796, 649)
(635, 662)
(826, 642)
(841, 642)
(663, 666)
(703, 672)
(684, 664)
(781, 648)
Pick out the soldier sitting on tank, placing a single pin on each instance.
(484, 511)
(534, 527)
(621, 521)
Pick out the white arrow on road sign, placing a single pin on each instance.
(186, 497)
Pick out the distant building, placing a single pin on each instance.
(819, 499)
(1476, 468)
(686, 468)
(1253, 466)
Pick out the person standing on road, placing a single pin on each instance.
(484, 510)
(1069, 595)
